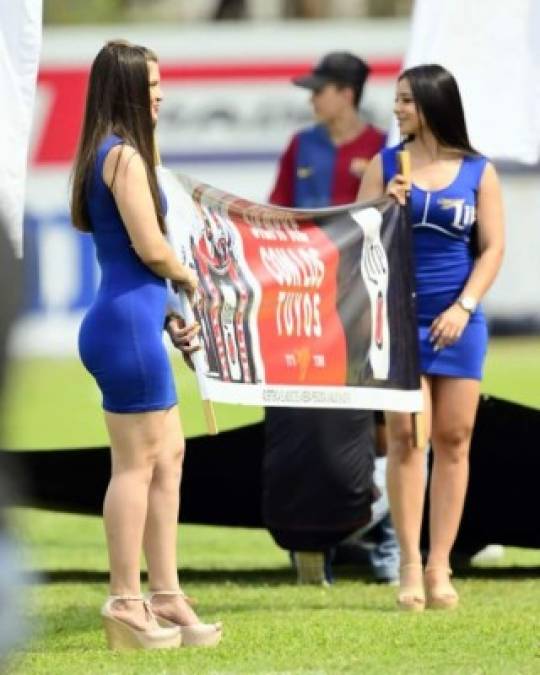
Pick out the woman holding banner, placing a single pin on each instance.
(457, 218)
(116, 197)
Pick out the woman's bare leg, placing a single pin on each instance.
(136, 440)
(406, 467)
(455, 402)
(160, 534)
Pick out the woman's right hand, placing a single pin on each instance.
(399, 188)
(188, 283)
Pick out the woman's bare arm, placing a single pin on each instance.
(449, 325)
(134, 200)
(490, 223)
(372, 185)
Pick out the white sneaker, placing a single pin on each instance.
(489, 554)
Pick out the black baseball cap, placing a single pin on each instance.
(336, 67)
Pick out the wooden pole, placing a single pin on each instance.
(189, 318)
(199, 363)
(418, 419)
(404, 158)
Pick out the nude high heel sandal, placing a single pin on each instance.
(122, 635)
(411, 597)
(195, 635)
(441, 594)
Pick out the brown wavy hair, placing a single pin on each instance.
(117, 102)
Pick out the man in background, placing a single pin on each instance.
(323, 164)
(318, 465)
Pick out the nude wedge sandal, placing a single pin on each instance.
(411, 598)
(121, 635)
(195, 635)
(440, 595)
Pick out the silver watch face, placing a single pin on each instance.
(468, 303)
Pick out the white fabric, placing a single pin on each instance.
(20, 44)
(493, 49)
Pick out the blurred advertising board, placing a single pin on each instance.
(229, 109)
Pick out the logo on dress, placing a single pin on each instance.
(464, 214)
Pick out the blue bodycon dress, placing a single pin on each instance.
(442, 223)
(121, 336)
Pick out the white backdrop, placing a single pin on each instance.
(493, 49)
(20, 43)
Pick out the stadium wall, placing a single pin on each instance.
(229, 109)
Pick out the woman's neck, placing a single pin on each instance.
(427, 147)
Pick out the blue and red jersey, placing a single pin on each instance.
(314, 172)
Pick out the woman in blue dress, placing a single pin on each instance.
(457, 218)
(117, 199)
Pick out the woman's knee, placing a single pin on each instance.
(174, 456)
(169, 466)
(404, 451)
(452, 442)
(140, 459)
(401, 445)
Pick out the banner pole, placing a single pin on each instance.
(198, 361)
(418, 419)
(189, 318)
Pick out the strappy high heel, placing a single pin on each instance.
(122, 635)
(441, 594)
(194, 635)
(411, 597)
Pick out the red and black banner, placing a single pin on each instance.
(299, 308)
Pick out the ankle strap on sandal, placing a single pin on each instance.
(113, 598)
(136, 598)
(178, 591)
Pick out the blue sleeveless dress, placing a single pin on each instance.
(121, 336)
(442, 222)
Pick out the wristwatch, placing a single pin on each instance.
(468, 303)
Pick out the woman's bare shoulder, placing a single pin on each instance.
(121, 158)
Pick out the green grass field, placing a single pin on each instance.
(55, 403)
(242, 578)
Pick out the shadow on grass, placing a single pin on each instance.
(514, 572)
(272, 576)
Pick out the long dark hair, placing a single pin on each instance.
(436, 95)
(117, 102)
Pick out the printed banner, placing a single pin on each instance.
(298, 308)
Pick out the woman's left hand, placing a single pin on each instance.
(181, 334)
(448, 326)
